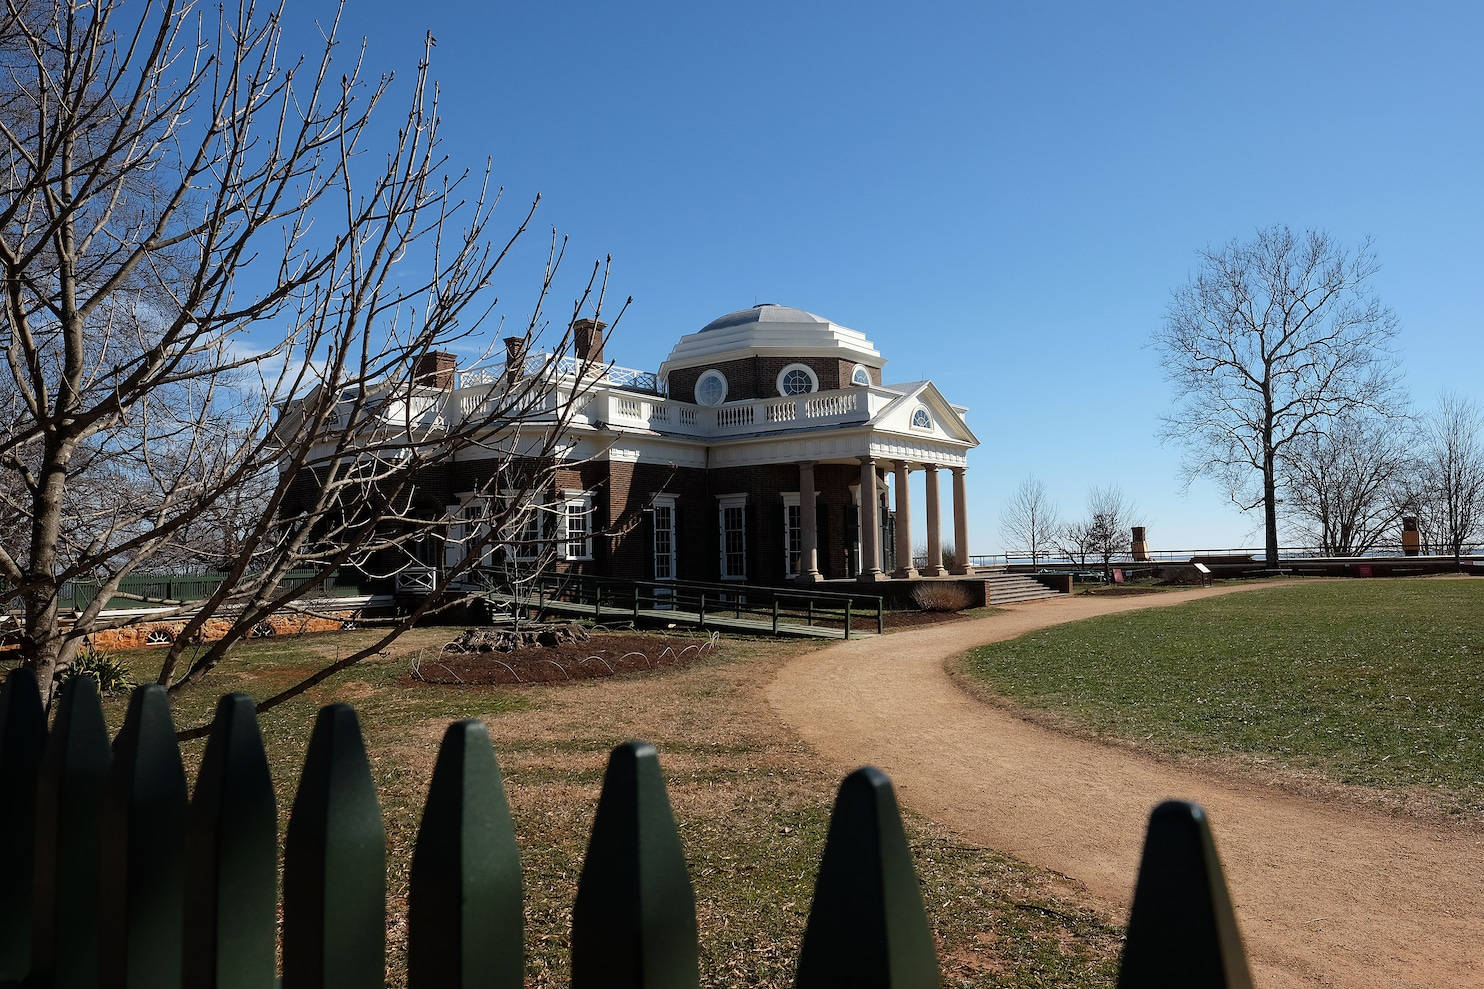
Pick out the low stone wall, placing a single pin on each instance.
(138, 636)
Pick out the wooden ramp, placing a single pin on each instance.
(718, 620)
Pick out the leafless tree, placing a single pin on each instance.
(227, 281)
(1108, 529)
(1447, 487)
(1345, 488)
(1030, 520)
(1269, 341)
(1074, 541)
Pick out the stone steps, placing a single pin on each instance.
(1014, 588)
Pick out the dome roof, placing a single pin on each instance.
(767, 312)
(770, 330)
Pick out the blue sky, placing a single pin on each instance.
(1001, 196)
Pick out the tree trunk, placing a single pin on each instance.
(1270, 512)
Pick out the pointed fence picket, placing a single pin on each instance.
(109, 876)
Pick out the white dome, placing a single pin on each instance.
(771, 331)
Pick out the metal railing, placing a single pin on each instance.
(773, 606)
(116, 875)
(1256, 553)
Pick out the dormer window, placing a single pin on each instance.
(860, 376)
(797, 379)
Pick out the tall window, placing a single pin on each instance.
(664, 539)
(734, 538)
(577, 543)
(793, 537)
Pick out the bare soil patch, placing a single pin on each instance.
(605, 655)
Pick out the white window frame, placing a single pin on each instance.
(711, 373)
(584, 501)
(723, 503)
(790, 504)
(913, 421)
(860, 369)
(789, 369)
(666, 502)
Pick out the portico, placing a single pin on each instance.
(870, 528)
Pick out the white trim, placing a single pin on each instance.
(789, 369)
(665, 501)
(710, 372)
(585, 501)
(723, 504)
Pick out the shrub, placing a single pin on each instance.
(113, 674)
(943, 596)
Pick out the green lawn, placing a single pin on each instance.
(752, 805)
(1372, 682)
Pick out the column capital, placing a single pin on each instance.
(958, 470)
(866, 458)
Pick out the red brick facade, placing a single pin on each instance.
(757, 377)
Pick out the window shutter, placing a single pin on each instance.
(750, 535)
(646, 542)
(680, 560)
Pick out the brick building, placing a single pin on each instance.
(758, 452)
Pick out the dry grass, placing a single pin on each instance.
(751, 801)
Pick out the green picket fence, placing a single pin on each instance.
(114, 876)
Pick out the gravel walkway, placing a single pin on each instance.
(1325, 894)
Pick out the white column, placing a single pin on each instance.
(870, 526)
(934, 566)
(960, 523)
(905, 570)
(808, 533)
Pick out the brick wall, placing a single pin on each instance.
(757, 377)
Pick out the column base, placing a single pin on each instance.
(871, 577)
(809, 577)
(960, 571)
(934, 572)
(904, 573)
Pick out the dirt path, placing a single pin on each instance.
(1325, 895)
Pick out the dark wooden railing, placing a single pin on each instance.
(111, 875)
(773, 605)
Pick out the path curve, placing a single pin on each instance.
(1325, 894)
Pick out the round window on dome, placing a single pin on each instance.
(797, 379)
(711, 388)
(860, 376)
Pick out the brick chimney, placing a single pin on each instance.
(1140, 544)
(1411, 538)
(587, 340)
(515, 359)
(434, 368)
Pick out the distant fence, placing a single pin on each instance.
(182, 588)
(1057, 557)
(110, 876)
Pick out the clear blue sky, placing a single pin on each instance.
(1001, 196)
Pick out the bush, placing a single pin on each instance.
(113, 674)
(944, 596)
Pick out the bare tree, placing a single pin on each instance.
(1074, 542)
(1108, 529)
(1269, 341)
(228, 285)
(1030, 520)
(1345, 487)
(1447, 488)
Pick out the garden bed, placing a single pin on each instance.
(604, 654)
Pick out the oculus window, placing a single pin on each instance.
(797, 379)
(711, 388)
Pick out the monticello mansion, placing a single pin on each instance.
(759, 452)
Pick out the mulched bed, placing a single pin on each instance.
(605, 654)
(1118, 591)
